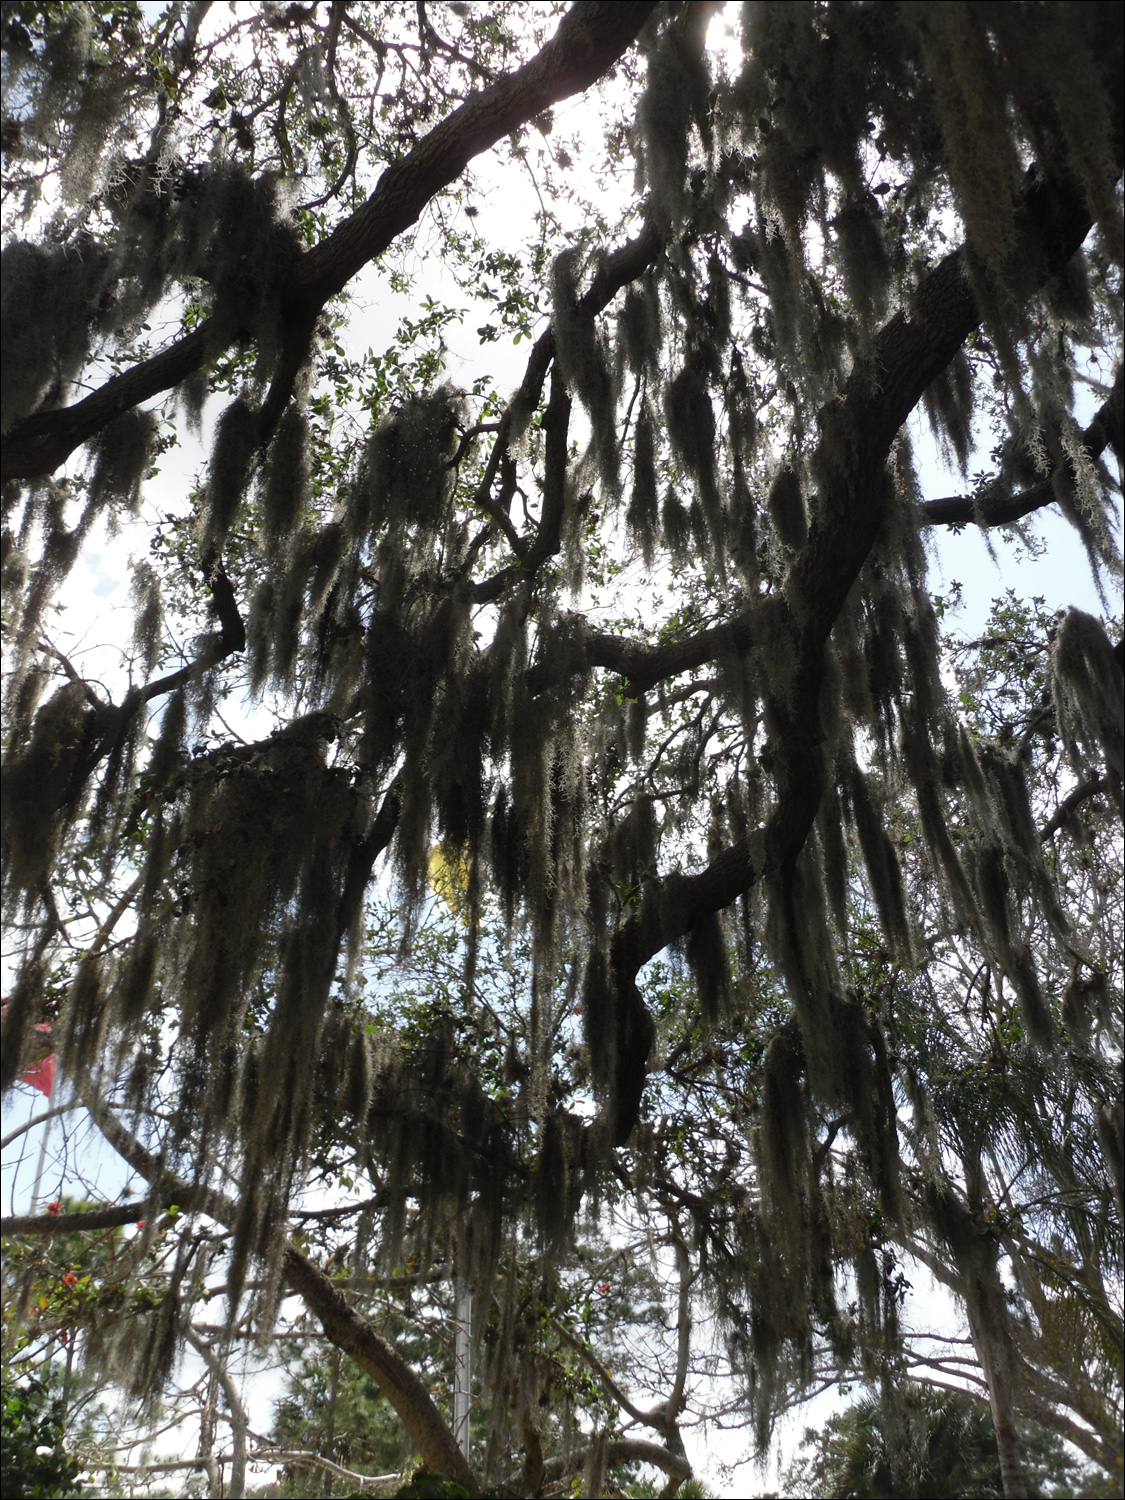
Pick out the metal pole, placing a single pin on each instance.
(462, 1360)
(37, 1188)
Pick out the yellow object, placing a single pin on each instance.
(449, 878)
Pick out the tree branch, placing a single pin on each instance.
(402, 1387)
(85, 1219)
(1046, 1409)
(591, 36)
(314, 1461)
(40, 1119)
(1081, 793)
(608, 1384)
(235, 1409)
(683, 1337)
(46, 439)
(394, 1377)
(624, 265)
(857, 431)
(959, 510)
(624, 1451)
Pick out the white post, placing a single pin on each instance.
(37, 1189)
(462, 1360)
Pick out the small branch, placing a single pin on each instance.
(823, 1148)
(40, 1119)
(352, 154)
(336, 1213)
(163, 1466)
(629, 261)
(467, 438)
(117, 717)
(962, 510)
(1081, 793)
(73, 674)
(427, 31)
(433, 1277)
(654, 1419)
(120, 907)
(305, 1459)
(235, 1409)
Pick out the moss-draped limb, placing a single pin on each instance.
(1002, 506)
(401, 1385)
(857, 432)
(589, 39)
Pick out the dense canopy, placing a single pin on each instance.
(639, 661)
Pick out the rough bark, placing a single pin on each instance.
(857, 431)
(591, 36)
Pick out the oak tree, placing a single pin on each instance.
(797, 234)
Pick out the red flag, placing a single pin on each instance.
(41, 1074)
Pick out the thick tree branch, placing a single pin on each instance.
(625, 1451)
(849, 462)
(645, 665)
(1070, 803)
(45, 440)
(591, 36)
(1004, 508)
(394, 1377)
(86, 1219)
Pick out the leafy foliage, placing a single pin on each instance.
(927, 1443)
(34, 1464)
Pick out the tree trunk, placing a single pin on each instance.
(996, 1364)
(976, 1255)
